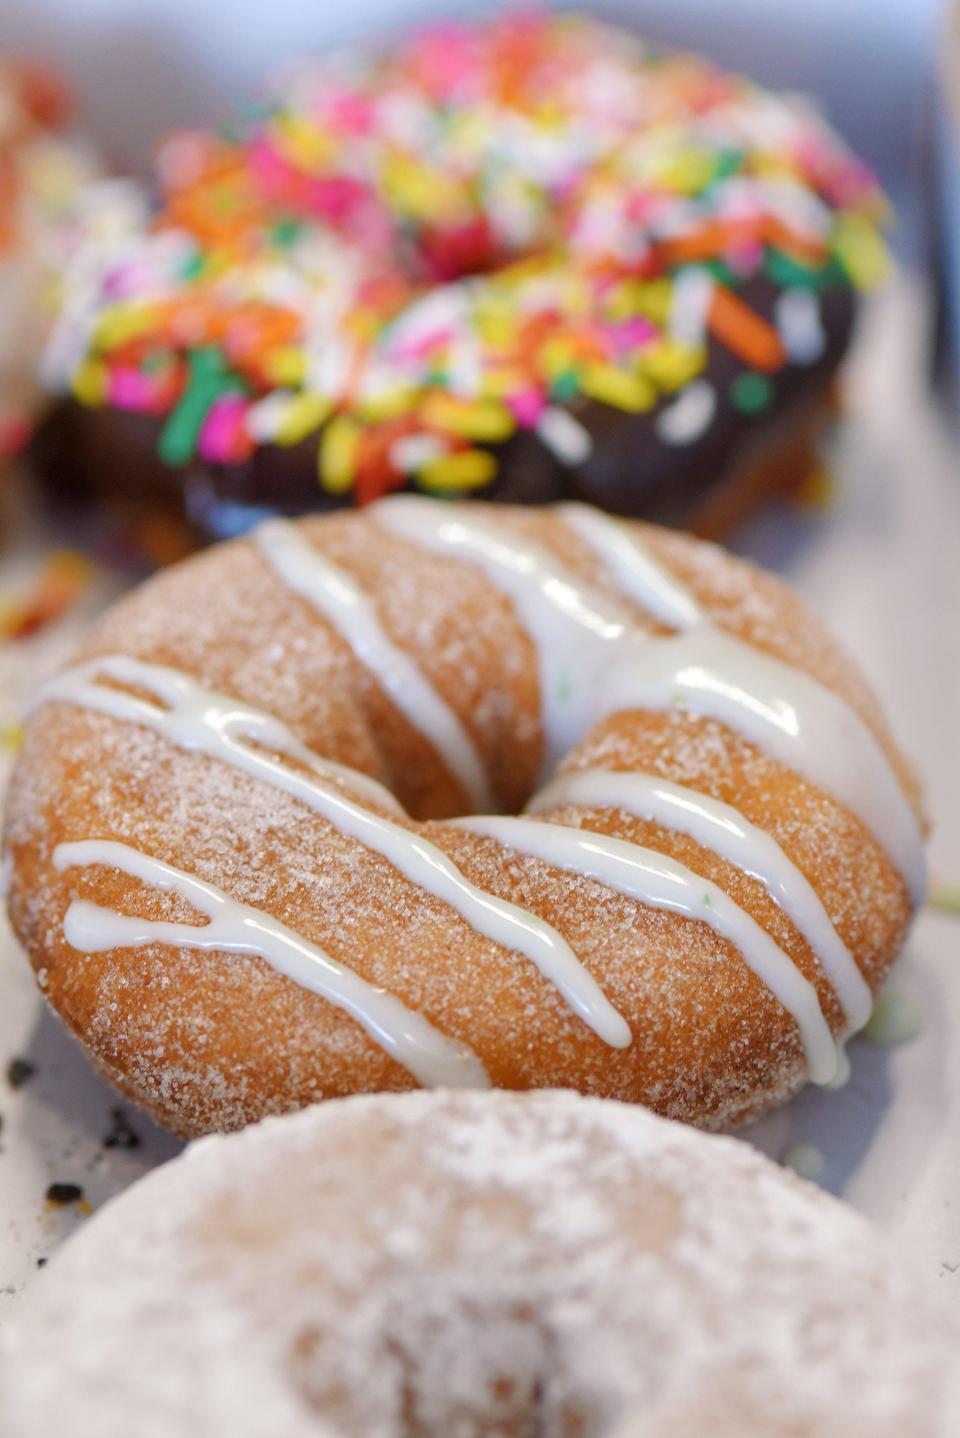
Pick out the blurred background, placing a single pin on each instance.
(140, 67)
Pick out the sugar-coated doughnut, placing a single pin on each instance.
(525, 259)
(477, 1265)
(234, 862)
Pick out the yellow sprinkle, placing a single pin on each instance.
(556, 356)
(416, 190)
(861, 251)
(671, 363)
(496, 325)
(483, 419)
(121, 323)
(388, 404)
(650, 298)
(469, 469)
(304, 414)
(287, 366)
(686, 172)
(338, 454)
(503, 381)
(89, 383)
(617, 387)
(773, 167)
(308, 147)
(11, 737)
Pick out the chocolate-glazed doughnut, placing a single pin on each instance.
(526, 260)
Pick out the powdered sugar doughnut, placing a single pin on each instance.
(476, 1265)
(237, 870)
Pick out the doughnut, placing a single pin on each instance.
(464, 795)
(477, 1264)
(46, 179)
(525, 260)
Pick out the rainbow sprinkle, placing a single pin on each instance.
(404, 260)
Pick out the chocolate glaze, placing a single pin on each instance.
(111, 455)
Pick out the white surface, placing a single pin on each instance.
(883, 567)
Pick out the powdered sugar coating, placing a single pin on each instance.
(218, 1041)
(471, 1265)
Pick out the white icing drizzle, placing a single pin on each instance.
(789, 715)
(634, 568)
(433, 1058)
(336, 595)
(593, 662)
(572, 626)
(201, 720)
(724, 831)
(662, 883)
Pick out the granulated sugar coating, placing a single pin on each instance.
(210, 1041)
(477, 1266)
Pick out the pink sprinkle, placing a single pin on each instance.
(351, 114)
(527, 406)
(129, 388)
(632, 334)
(745, 257)
(423, 345)
(443, 59)
(224, 438)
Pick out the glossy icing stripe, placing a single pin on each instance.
(335, 594)
(725, 832)
(630, 562)
(787, 714)
(434, 1059)
(575, 629)
(203, 721)
(662, 883)
(594, 662)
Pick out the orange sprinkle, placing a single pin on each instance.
(65, 576)
(775, 233)
(743, 331)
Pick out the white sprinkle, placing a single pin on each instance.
(413, 451)
(692, 293)
(800, 325)
(690, 415)
(265, 417)
(565, 436)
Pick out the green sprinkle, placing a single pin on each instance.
(192, 268)
(751, 392)
(209, 379)
(727, 163)
(789, 273)
(565, 386)
(287, 232)
(722, 273)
